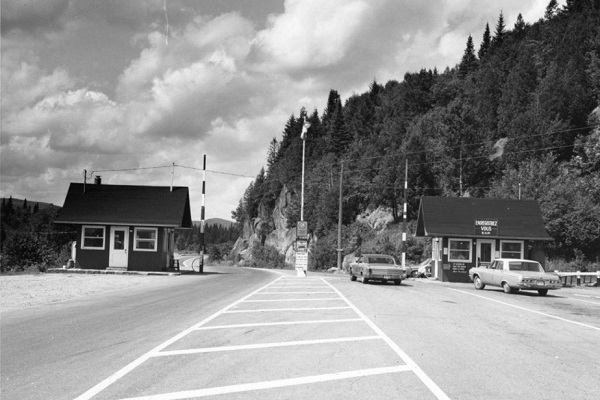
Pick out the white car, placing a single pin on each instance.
(513, 275)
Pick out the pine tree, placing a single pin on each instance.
(499, 32)
(485, 42)
(272, 155)
(551, 9)
(469, 62)
(520, 26)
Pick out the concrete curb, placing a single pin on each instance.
(107, 272)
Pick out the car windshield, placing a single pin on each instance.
(380, 260)
(525, 266)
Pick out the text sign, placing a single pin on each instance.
(302, 261)
(486, 227)
(302, 229)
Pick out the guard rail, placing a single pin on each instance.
(567, 278)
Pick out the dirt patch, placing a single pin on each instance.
(31, 290)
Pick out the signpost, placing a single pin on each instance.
(301, 248)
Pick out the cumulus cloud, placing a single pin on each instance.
(221, 85)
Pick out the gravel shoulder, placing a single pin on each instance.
(34, 290)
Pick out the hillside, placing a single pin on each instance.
(518, 116)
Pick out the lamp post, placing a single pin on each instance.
(301, 227)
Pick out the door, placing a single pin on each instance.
(119, 243)
(485, 252)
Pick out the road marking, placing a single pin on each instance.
(264, 345)
(280, 383)
(295, 292)
(277, 300)
(528, 309)
(431, 385)
(587, 301)
(587, 295)
(258, 324)
(286, 309)
(136, 363)
(158, 351)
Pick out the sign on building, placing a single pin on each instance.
(486, 227)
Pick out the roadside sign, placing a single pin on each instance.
(302, 229)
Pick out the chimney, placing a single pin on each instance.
(98, 180)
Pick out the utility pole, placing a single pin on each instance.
(339, 249)
(404, 215)
(202, 244)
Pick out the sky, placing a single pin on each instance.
(125, 89)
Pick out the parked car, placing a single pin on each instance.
(423, 270)
(513, 275)
(377, 267)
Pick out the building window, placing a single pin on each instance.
(460, 250)
(146, 239)
(511, 249)
(92, 237)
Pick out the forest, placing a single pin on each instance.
(518, 117)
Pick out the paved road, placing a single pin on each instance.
(254, 335)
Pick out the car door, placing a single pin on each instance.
(498, 273)
(487, 273)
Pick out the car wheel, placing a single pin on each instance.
(506, 288)
(352, 277)
(542, 292)
(478, 283)
(398, 281)
(414, 274)
(365, 280)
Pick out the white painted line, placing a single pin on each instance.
(296, 292)
(259, 324)
(587, 301)
(431, 385)
(277, 300)
(263, 345)
(286, 309)
(136, 363)
(280, 383)
(588, 296)
(528, 309)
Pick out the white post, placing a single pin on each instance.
(302, 192)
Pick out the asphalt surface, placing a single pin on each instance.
(248, 334)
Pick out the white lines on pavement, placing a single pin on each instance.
(264, 345)
(587, 295)
(286, 309)
(528, 309)
(412, 366)
(296, 292)
(258, 324)
(136, 363)
(278, 300)
(587, 301)
(280, 383)
(160, 351)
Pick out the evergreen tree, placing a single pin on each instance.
(520, 26)
(485, 42)
(551, 9)
(469, 62)
(272, 155)
(25, 204)
(36, 208)
(499, 32)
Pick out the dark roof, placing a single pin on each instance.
(125, 204)
(455, 216)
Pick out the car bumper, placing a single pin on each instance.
(536, 286)
(386, 277)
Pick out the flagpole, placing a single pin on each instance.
(302, 191)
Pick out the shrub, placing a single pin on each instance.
(266, 257)
(24, 250)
